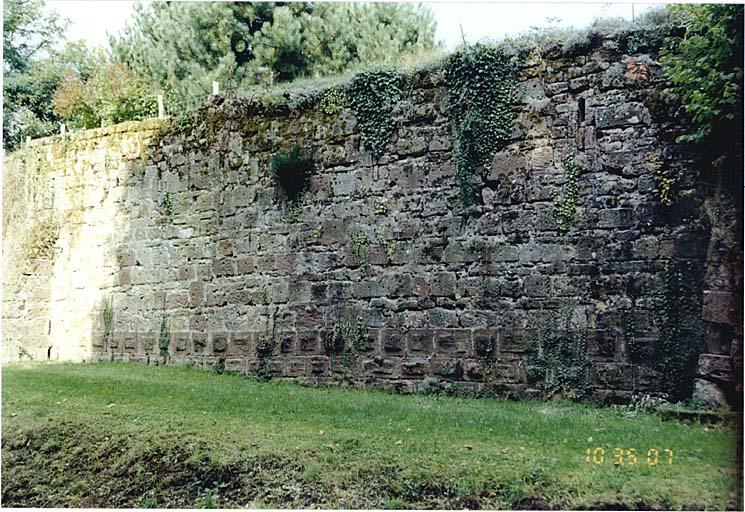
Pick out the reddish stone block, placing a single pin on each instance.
(420, 342)
(453, 342)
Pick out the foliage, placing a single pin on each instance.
(164, 340)
(705, 67)
(566, 203)
(559, 359)
(481, 87)
(349, 340)
(111, 95)
(389, 246)
(108, 320)
(361, 247)
(285, 446)
(431, 386)
(333, 101)
(42, 240)
(182, 47)
(292, 172)
(633, 349)
(372, 96)
(28, 30)
(166, 205)
(665, 180)
(680, 328)
(29, 74)
(264, 352)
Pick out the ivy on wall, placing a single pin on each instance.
(333, 101)
(559, 360)
(565, 203)
(108, 321)
(481, 81)
(372, 96)
(264, 352)
(680, 328)
(164, 339)
(348, 340)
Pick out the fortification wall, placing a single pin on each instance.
(158, 243)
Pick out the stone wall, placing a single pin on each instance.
(381, 276)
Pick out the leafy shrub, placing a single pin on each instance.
(112, 95)
(431, 386)
(705, 67)
(292, 172)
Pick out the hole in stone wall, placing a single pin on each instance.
(581, 111)
(49, 353)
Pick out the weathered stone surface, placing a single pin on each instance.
(380, 262)
(709, 393)
(715, 367)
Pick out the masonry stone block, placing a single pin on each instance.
(444, 288)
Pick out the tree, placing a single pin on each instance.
(705, 67)
(183, 47)
(29, 76)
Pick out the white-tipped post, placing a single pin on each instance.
(161, 107)
(62, 129)
(215, 88)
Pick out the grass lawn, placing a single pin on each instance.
(120, 435)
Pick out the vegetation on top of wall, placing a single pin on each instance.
(372, 96)
(292, 171)
(333, 101)
(481, 81)
(645, 33)
(680, 328)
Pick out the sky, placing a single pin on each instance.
(93, 19)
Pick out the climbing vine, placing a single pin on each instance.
(108, 320)
(264, 351)
(633, 349)
(165, 337)
(372, 96)
(665, 182)
(489, 375)
(481, 81)
(680, 328)
(166, 205)
(389, 246)
(333, 101)
(559, 360)
(346, 343)
(361, 247)
(565, 203)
